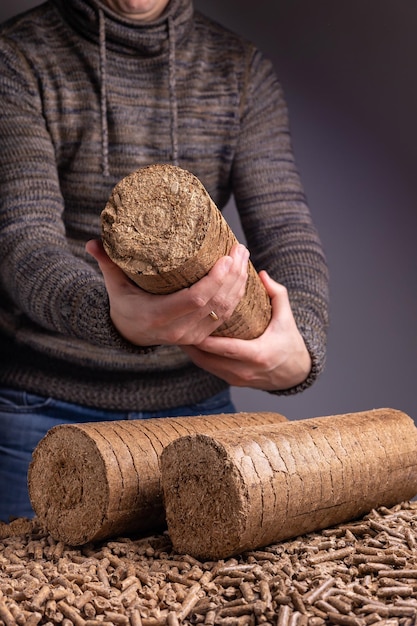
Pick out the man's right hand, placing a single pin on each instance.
(180, 318)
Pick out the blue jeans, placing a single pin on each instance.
(25, 419)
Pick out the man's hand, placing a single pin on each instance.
(180, 318)
(276, 360)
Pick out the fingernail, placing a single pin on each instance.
(243, 251)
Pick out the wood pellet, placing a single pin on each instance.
(355, 574)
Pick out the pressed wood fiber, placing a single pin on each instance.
(232, 491)
(96, 480)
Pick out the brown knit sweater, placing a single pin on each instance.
(86, 98)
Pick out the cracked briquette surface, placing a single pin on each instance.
(231, 491)
(96, 480)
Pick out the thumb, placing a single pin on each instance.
(273, 289)
(95, 248)
(114, 277)
(278, 293)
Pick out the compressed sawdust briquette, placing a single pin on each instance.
(232, 491)
(162, 228)
(355, 574)
(100, 479)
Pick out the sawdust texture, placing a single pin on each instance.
(96, 480)
(237, 490)
(156, 220)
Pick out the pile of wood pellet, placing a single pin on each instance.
(354, 574)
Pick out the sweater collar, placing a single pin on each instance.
(127, 35)
(94, 20)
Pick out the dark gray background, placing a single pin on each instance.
(349, 72)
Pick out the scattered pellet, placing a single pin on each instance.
(344, 620)
(228, 581)
(232, 569)
(283, 615)
(41, 597)
(237, 610)
(210, 617)
(410, 539)
(33, 619)
(177, 578)
(315, 593)
(325, 607)
(398, 573)
(116, 618)
(331, 555)
(247, 591)
(6, 616)
(71, 613)
(339, 604)
(190, 601)
(386, 529)
(371, 618)
(386, 559)
(315, 621)
(396, 590)
(295, 619)
(297, 601)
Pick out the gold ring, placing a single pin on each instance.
(214, 316)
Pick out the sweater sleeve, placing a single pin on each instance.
(273, 210)
(41, 278)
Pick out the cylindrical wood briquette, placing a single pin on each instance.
(101, 479)
(233, 491)
(161, 227)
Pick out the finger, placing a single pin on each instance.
(278, 294)
(233, 288)
(229, 347)
(224, 286)
(95, 248)
(114, 277)
(195, 300)
(272, 287)
(233, 372)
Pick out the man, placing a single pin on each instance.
(91, 91)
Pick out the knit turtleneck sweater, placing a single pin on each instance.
(88, 97)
